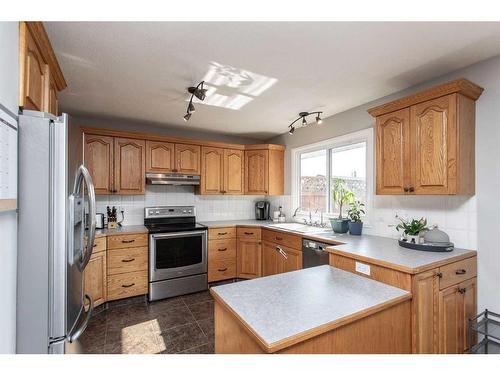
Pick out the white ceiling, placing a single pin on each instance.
(140, 71)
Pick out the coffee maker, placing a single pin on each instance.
(262, 210)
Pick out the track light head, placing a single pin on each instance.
(304, 122)
(187, 116)
(191, 107)
(198, 91)
(292, 129)
(319, 121)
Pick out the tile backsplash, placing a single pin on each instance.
(216, 207)
(456, 215)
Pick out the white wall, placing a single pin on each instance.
(9, 42)
(472, 222)
(223, 207)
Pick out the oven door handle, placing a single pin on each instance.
(157, 236)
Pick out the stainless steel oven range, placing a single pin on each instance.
(177, 251)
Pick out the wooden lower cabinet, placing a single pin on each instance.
(269, 259)
(444, 298)
(95, 278)
(127, 284)
(249, 259)
(277, 258)
(221, 254)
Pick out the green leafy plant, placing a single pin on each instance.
(341, 194)
(412, 227)
(356, 210)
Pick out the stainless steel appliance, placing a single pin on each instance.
(99, 221)
(262, 210)
(172, 179)
(177, 251)
(54, 247)
(314, 254)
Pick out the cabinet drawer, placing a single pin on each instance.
(286, 239)
(99, 244)
(220, 233)
(249, 233)
(127, 260)
(221, 249)
(123, 241)
(221, 269)
(457, 272)
(127, 285)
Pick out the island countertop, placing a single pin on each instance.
(299, 305)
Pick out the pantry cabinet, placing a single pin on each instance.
(425, 142)
(222, 171)
(40, 77)
(264, 171)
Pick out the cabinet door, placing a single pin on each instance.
(393, 152)
(35, 73)
(234, 166)
(187, 159)
(256, 172)
(269, 259)
(98, 158)
(94, 278)
(469, 297)
(433, 146)
(249, 259)
(212, 170)
(52, 102)
(451, 321)
(289, 259)
(130, 166)
(160, 157)
(424, 312)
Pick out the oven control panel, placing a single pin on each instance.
(169, 211)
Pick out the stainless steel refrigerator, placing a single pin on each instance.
(56, 198)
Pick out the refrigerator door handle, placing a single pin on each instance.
(73, 336)
(84, 175)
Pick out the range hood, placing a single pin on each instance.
(172, 179)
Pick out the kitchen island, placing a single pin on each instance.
(316, 310)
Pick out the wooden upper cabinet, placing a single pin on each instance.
(129, 171)
(257, 172)
(40, 77)
(425, 142)
(234, 171)
(160, 157)
(187, 159)
(393, 151)
(212, 170)
(98, 158)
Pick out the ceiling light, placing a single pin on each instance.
(200, 93)
(303, 116)
(187, 116)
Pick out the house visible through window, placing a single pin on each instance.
(318, 166)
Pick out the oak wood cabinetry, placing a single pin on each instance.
(444, 298)
(187, 158)
(160, 157)
(425, 142)
(249, 253)
(117, 165)
(222, 171)
(40, 77)
(264, 171)
(95, 274)
(221, 253)
(127, 268)
(281, 252)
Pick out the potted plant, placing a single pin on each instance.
(412, 229)
(356, 210)
(341, 195)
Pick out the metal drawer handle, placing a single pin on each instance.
(127, 285)
(460, 272)
(224, 249)
(440, 275)
(462, 290)
(222, 233)
(128, 260)
(249, 233)
(128, 241)
(95, 245)
(279, 238)
(222, 269)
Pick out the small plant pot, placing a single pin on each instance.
(413, 239)
(340, 225)
(355, 228)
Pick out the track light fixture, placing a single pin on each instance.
(200, 92)
(303, 116)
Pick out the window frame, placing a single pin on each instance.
(365, 135)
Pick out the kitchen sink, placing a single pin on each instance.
(297, 227)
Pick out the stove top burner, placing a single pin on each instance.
(168, 219)
(169, 228)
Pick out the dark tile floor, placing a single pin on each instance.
(175, 325)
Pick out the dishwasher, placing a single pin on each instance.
(314, 253)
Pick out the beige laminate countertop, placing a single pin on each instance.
(125, 229)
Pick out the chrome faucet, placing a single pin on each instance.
(295, 213)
